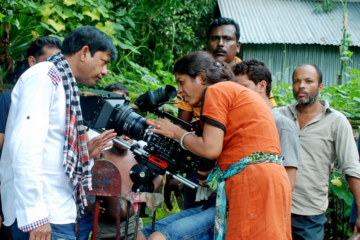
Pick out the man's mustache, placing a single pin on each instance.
(220, 50)
(303, 91)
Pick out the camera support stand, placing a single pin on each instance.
(106, 182)
(145, 173)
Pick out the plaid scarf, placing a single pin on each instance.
(76, 156)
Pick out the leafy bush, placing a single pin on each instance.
(147, 34)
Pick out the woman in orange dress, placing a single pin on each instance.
(254, 193)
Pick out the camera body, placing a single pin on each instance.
(107, 110)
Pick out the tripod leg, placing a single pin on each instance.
(137, 222)
(127, 219)
(153, 222)
(96, 218)
(118, 226)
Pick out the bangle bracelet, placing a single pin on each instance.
(182, 139)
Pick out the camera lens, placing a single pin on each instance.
(153, 99)
(129, 123)
(163, 94)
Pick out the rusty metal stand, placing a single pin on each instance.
(106, 182)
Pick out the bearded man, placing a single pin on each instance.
(324, 136)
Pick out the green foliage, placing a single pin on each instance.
(339, 209)
(341, 191)
(345, 98)
(162, 212)
(149, 35)
(324, 6)
(283, 93)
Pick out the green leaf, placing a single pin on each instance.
(342, 193)
(355, 71)
(94, 14)
(47, 27)
(68, 13)
(103, 11)
(46, 10)
(2, 16)
(132, 24)
(107, 29)
(357, 99)
(32, 4)
(126, 46)
(58, 25)
(121, 12)
(63, 14)
(69, 2)
(35, 35)
(92, 3)
(130, 37)
(78, 15)
(118, 26)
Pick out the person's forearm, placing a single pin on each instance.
(185, 115)
(291, 172)
(354, 184)
(2, 136)
(198, 145)
(208, 146)
(157, 181)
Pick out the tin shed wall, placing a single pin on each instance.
(282, 64)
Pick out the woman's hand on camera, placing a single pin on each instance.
(165, 128)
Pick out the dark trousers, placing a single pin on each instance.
(190, 194)
(308, 227)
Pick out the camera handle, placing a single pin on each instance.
(145, 155)
(161, 113)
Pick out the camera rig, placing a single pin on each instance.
(106, 110)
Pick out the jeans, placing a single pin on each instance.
(86, 224)
(308, 227)
(58, 232)
(190, 224)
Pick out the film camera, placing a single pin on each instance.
(161, 155)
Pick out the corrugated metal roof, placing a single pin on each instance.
(276, 21)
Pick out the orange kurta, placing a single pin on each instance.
(259, 198)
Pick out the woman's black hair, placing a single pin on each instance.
(194, 63)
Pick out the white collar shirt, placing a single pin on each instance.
(34, 184)
(327, 137)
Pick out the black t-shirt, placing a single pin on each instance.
(5, 101)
